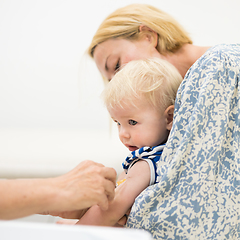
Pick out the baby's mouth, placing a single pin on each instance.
(132, 148)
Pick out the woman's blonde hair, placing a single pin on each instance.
(125, 23)
(155, 80)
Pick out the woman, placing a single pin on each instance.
(198, 195)
(67, 196)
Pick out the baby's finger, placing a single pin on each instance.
(122, 221)
(68, 222)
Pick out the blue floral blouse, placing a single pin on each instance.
(198, 196)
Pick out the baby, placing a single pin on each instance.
(140, 99)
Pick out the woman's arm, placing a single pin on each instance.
(137, 180)
(86, 185)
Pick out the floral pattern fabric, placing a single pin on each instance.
(198, 196)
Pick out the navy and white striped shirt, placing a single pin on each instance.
(150, 154)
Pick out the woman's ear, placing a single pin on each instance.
(151, 35)
(168, 113)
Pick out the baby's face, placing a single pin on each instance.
(140, 126)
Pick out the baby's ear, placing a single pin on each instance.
(168, 113)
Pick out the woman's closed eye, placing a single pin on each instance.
(132, 122)
(117, 66)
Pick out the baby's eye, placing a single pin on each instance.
(117, 123)
(132, 122)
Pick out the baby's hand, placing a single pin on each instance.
(122, 221)
(68, 222)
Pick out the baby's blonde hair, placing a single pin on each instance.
(125, 23)
(155, 80)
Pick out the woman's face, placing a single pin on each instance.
(115, 53)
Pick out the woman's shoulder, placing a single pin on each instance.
(222, 51)
(217, 58)
(219, 55)
(224, 47)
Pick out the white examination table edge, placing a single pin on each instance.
(11, 230)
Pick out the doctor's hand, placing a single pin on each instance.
(86, 185)
(66, 215)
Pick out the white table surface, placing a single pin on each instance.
(11, 230)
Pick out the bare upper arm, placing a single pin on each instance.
(137, 179)
(140, 171)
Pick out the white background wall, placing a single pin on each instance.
(43, 75)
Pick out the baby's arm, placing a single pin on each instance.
(137, 180)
